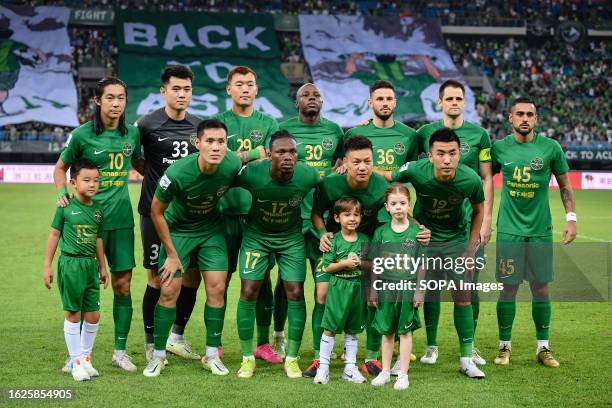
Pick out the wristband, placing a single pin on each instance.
(571, 216)
(321, 231)
(63, 192)
(253, 154)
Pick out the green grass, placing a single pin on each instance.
(32, 348)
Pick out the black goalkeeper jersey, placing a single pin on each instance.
(164, 141)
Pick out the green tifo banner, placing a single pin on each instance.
(211, 45)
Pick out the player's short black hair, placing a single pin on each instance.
(357, 142)
(381, 84)
(80, 164)
(444, 135)
(521, 99)
(177, 71)
(210, 124)
(345, 204)
(450, 83)
(280, 134)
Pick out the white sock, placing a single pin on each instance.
(160, 354)
(72, 335)
(279, 333)
(350, 349)
(465, 361)
(542, 343)
(176, 337)
(251, 357)
(88, 337)
(326, 348)
(212, 352)
(503, 343)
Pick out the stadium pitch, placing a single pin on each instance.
(33, 351)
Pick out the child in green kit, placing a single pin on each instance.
(397, 310)
(345, 307)
(81, 268)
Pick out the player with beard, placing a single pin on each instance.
(476, 154)
(319, 144)
(166, 134)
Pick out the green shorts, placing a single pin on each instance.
(208, 250)
(397, 317)
(258, 254)
(345, 306)
(78, 279)
(119, 249)
(444, 259)
(315, 257)
(521, 259)
(234, 226)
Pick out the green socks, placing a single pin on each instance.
(506, 310)
(464, 324)
(296, 314)
(540, 312)
(122, 316)
(163, 318)
(373, 337)
(317, 330)
(213, 320)
(263, 313)
(475, 308)
(280, 309)
(245, 319)
(431, 311)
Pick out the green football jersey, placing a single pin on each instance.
(388, 243)
(526, 170)
(340, 250)
(475, 142)
(193, 197)
(391, 146)
(372, 199)
(275, 211)
(244, 134)
(319, 146)
(439, 205)
(112, 153)
(80, 225)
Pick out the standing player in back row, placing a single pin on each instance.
(476, 154)
(319, 143)
(248, 131)
(524, 226)
(111, 144)
(166, 134)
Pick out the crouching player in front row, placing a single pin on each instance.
(397, 310)
(345, 306)
(78, 227)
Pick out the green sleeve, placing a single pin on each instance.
(559, 164)
(137, 150)
(496, 164)
(166, 188)
(404, 174)
(329, 256)
(477, 195)
(339, 153)
(421, 139)
(413, 153)
(321, 201)
(244, 175)
(72, 150)
(58, 219)
(271, 130)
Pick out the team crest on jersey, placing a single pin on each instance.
(98, 215)
(455, 199)
(399, 148)
(295, 201)
(327, 143)
(409, 244)
(164, 182)
(256, 135)
(127, 149)
(464, 147)
(192, 139)
(537, 163)
(222, 190)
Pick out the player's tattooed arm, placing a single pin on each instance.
(567, 198)
(52, 242)
(138, 165)
(172, 263)
(486, 174)
(59, 178)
